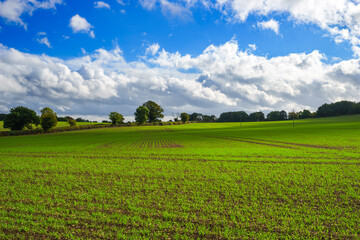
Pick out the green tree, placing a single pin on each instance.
(155, 111)
(71, 121)
(141, 114)
(283, 115)
(305, 114)
(116, 118)
(184, 117)
(48, 118)
(2, 116)
(256, 117)
(19, 117)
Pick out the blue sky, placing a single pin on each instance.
(87, 58)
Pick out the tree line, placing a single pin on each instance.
(150, 112)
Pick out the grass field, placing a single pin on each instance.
(59, 124)
(212, 181)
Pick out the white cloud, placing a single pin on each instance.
(44, 41)
(121, 2)
(148, 4)
(101, 4)
(221, 78)
(356, 51)
(271, 25)
(252, 46)
(170, 9)
(80, 24)
(83, 51)
(153, 49)
(340, 18)
(12, 10)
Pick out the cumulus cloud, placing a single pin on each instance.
(221, 78)
(271, 25)
(101, 4)
(12, 10)
(80, 24)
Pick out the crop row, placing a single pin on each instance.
(155, 143)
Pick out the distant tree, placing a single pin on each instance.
(206, 118)
(141, 114)
(198, 117)
(106, 121)
(239, 116)
(2, 116)
(256, 117)
(71, 121)
(305, 114)
(116, 118)
(61, 119)
(48, 118)
(155, 111)
(244, 117)
(184, 117)
(338, 109)
(283, 115)
(19, 117)
(273, 116)
(81, 120)
(325, 110)
(294, 115)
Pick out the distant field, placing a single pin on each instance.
(59, 124)
(264, 180)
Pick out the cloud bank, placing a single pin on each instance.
(12, 10)
(221, 78)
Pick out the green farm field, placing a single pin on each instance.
(266, 180)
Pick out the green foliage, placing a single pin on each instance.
(184, 117)
(81, 120)
(116, 118)
(338, 109)
(19, 117)
(276, 116)
(48, 119)
(198, 117)
(155, 111)
(256, 117)
(305, 114)
(2, 116)
(141, 114)
(71, 121)
(240, 116)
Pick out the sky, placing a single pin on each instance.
(88, 58)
